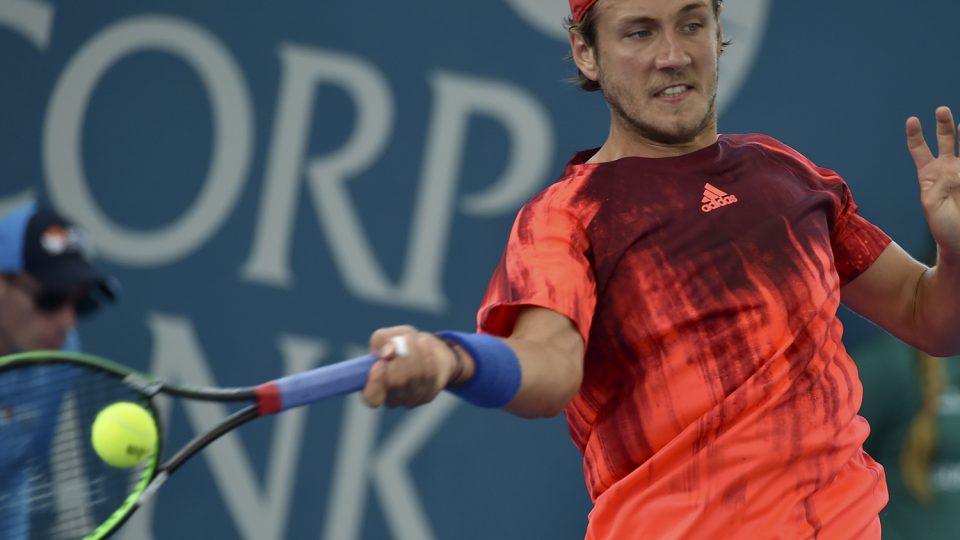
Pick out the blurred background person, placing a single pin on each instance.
(47, 283)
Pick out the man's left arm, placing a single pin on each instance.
(921, 305)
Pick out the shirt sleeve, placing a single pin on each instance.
(856, 242)
(546, 264)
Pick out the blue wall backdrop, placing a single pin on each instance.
(272, 180)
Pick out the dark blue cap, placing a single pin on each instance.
(37, 240)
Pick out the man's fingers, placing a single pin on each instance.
(917, 145)
(375, 392)
(411, 370)
(946, 132)
(382, 338)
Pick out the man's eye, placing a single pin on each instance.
(640, 34)
(692, 27)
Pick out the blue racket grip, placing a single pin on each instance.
(311, 386)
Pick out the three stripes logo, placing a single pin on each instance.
(714, 198)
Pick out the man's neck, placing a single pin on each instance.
(622, 142)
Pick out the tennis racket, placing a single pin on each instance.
(53, 484)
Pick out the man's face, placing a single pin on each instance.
(656, 61)
(23, 325)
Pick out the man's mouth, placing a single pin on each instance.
(673, 91)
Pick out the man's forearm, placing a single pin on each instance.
(937, 309)
(551, 376)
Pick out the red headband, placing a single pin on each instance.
(579, 8)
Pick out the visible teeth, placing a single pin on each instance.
(674, 91)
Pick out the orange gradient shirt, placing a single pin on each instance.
(718, 400)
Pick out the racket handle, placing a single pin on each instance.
(314, 385)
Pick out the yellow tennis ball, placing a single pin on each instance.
(124, 434)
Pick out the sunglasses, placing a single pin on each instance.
(48, 301)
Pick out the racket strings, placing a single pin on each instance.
(52, 483)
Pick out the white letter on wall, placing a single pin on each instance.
(233, 137)
(456, 99)
(526, 122)
(303, 70)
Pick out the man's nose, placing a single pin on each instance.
(671, 55)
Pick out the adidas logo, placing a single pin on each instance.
(714, 198)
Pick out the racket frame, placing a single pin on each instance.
(265, 399)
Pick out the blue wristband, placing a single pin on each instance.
(496, 375)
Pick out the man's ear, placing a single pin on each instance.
(584, 56)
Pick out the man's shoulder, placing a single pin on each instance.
(567, 195)
(759, 140)
(563, 192)
(564, 187)
(771, 148)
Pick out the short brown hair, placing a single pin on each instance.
(587, 28)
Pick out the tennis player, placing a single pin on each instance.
(46, 282)
(675, 293)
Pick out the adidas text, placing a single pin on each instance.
(718, 202)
